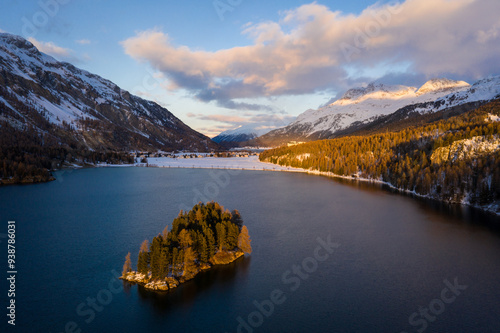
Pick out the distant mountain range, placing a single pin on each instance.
(379, 105)
(231, 138)
(76, 107)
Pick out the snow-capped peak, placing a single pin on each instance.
(439, 85)
(243, 133)
(482, 90)
(374, 91)
(361, 105)
(258, 129)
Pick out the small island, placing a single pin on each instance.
(205, 236)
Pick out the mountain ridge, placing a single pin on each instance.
(362, 106)
(68, 96)
(55, 115)
(242, 133)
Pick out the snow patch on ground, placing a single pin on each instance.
(492, 117)
(241, 163)
(469, 148)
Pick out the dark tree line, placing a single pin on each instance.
(29, 156)
(403, 158)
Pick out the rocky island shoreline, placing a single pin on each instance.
(206, 236)
(171, 282)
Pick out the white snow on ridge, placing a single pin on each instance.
(57, 114)
(364, 104)
(249, 130)
(21, 58)
(436, 85)
(483, 90)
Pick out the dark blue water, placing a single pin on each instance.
(391, 256)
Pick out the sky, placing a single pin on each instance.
(220, 64)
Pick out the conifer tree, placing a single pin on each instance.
(244, 240)
(232, 236)
(143, 259)
(154, 257)
(185, 238)
(165, 233)
(204, 250)
(188, 262)
(210, 242)
(175, 260)
(236, 219)
(163, 265)
(127, 266)
(221, 236)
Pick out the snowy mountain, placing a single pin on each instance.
(363, 105)
(55, 97)
(241, 134)
(481, 91)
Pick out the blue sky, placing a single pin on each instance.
(223, 63)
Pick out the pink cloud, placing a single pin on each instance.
(311, 47)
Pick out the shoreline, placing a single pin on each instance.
(171, 282)
(491, 209)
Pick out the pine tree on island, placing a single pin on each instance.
(127, 266)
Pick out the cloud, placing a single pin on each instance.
(223, 118)
(50, 48)
(83, 41)
(312, 49)
(56, 51)
(214, 131)
(230, 104)
(265, 120)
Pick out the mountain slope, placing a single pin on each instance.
(364, 106)
(74, 105)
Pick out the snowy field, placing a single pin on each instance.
(242, 163)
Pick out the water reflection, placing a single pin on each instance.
(219, 278)
(466, 216)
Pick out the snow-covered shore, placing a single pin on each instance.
(495, 209)
(241, 163)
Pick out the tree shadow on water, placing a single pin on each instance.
(466, 216)
(219, 279)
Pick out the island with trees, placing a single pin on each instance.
(206, 236)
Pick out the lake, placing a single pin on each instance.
(327, 256)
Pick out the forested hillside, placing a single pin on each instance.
(455, 160)
(27, 156)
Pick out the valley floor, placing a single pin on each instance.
(241, 163)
